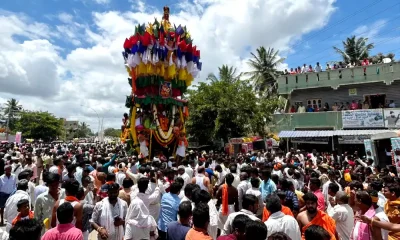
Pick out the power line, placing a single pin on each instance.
(301, 50)
(338, 22)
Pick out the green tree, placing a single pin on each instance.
(264, 70)
(83, 131)
(354, 49)
(378, 58)
(226, 109)
(112, 132)
(39, 125)
(11, 111)
(226, 73)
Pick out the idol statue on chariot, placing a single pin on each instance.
(162, 62)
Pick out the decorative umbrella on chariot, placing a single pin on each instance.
(161, 62)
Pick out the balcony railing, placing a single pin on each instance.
(315, 120)
(387, 73)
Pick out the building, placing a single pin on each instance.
(368, 89)
(70, 127)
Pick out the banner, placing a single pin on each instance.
(311, 140)
(18, 137)
(363, 118)
(392, 118)
(396, 150)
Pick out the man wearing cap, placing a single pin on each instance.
(8, 182)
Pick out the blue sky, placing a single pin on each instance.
(55, 51)
(377, 19)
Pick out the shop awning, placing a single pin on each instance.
(299, 134)
(360, 132)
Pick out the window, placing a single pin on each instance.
(315, 103)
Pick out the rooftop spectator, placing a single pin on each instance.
(310, 109)
(318, 68)
(328, 67)
(310, 69)
(354, 105)
(365, 105)
(326, 107)
(286, 72)
(304, 68)
(392, 104)
(293, 71)
(301, 108)
(335, 107)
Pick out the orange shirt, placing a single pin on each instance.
(393, 213)
(197, 235)
(285, 210)
(324, 220)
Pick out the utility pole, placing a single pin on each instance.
(8, 122)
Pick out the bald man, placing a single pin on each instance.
(243, 186)
(343, 214)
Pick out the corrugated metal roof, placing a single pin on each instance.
(330, 133)
(360, 132)
(295, 134)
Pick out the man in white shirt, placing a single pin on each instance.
(304, 68)
(279, 222)
(243, 186)
(392, 104)
(182, 173)
(301, 108)
(188, 168)
(8, 182)
(250, 207)
(317, 68)
(11, 210)
(148, 199)
(325, 187)
(255, 191)
(343, 214)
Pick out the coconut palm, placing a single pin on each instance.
(355, 50)
(226, 73)
(264, 69)
(11, 109)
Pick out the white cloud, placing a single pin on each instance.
(371, 30)
(34, 71)
(102, 1)
(65, 17)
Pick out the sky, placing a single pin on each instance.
(64, 56)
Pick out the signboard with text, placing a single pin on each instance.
(311, 140)
(353, 139)
(363, 118)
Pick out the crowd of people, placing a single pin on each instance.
(318, 68)
(106, 190)
(354, 105)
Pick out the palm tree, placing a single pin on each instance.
(226, 74)
(12, 107)
(83, 130)
(355, 50)
(264, 69)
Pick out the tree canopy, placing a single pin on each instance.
(11, 110)
(112, 132)
(39, 125)
(226, 108)
(354, 49)
(264, 69)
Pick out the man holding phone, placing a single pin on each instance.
(109, 214)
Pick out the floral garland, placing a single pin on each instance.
(171, 126)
